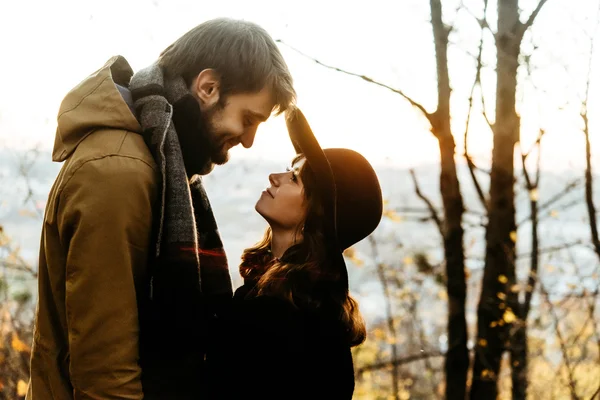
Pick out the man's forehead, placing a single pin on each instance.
(259, 114)
(260, 104)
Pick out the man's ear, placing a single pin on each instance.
(206, 87)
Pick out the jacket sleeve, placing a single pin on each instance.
(105, 220)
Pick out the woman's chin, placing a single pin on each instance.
(259, 207)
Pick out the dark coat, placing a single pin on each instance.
(265, 348)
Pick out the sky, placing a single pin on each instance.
(49, 46)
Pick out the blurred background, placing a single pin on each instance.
(473, 112)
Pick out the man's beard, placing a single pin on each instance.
(202, 147)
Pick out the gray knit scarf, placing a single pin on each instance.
(186, 235)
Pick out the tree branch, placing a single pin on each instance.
(388, 311)
(552, 249)
(532, 187)
(483, 24)
(19, 267)
(596, 394)
(563, 345)
(434, 214)
(568, 188)
(476, 82)
(413, 102)
(532, 17)
(400, 361)
(589, 183)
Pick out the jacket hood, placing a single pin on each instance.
(93, 104)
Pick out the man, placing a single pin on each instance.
(132, 268)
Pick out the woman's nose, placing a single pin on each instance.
(272, 179)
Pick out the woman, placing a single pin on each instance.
(291, 325)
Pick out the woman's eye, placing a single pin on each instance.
(294, 177)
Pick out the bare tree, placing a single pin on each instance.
(499, 272)
(389, 315)
(589, 183)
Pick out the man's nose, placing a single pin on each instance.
(247, 138)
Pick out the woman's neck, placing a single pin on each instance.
(281, 240)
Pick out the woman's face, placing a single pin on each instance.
(283, 203)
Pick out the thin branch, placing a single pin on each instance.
(476, 82)
(532, 186)
(19, 267)
(400, 361)
(562, 343)
(365, 78)
(596, 394)
(535, 144)
(483, 24)
(389, 313)
(532, 17)
(434, 214)
(567, 189)
(589, 183)
(484, 112)
(552, 249)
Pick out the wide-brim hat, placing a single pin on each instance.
(348, 187)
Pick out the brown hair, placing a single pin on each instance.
(242, 53)
(304, 276)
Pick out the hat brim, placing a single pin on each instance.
(305, 142)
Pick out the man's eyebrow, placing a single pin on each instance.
(258, 115)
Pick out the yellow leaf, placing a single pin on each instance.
(18, 345)
(501, 296)
(443, 295)
(493, 324)
(502, 279)
(24, 212)
(408, 260)
(513, 236)
(502, 306)
(392, 215)
(350, 253)
(509, 317)
(515, 288)
(21, 388)
(488, 373)
(554, 214)
(533, 195)
(482, 343)
(378, 333)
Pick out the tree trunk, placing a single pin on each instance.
(519, 346)
(589, 186)
(457, 356)
(499, 272)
